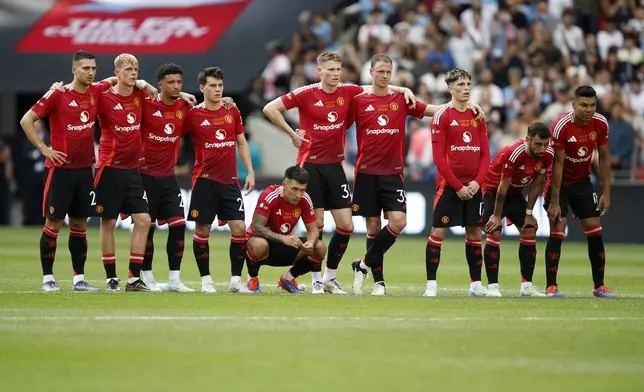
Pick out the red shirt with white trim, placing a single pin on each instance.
(283, 216)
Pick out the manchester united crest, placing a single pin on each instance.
(52, 210)
(445, 220)
(99, 209)
(593, 136)
(537, 167)
(339, 101)
(475, 123)
(297, 213)
(393, 106)
(137, 102)
(355, 208)
(91, 100)
(179, 114)
(194, 213)
(228, 118)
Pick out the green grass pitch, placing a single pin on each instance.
(276, 342)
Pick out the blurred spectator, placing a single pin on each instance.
(608, 38)
(622, 137)
(277, 72)
(34, 179)
(419, 157)
(256, 160)
(5, 178)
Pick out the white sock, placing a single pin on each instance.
(132, 280)
(174, 276)
(493, 285)
(205, 280)
(47, 278)
(235, 279)
(288, 275)
(476, 284)
(147, 276)
(329, 274)
(431, 283)
(363, 265)
(316, 277)
(79, 278)
(525, 285)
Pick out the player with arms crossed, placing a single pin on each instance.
(69, 186)
(271, 241)
(516, 166)
(323, 109)
(215, 190)
(462, 155)
(118, 185)
(574, 136)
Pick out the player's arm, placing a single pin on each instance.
(534, 192)
(312, 232)
(604, 173)
(244, 154)
(28, 124)
(274, 111)
(501, 191)
(484, 162)
(554, 211)
(431, 110)
(260, 229)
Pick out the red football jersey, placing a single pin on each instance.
(161, 131)
(460, 147)
(214, 135)
(323, 117)
(578, 143)
(283, 216)
(380, 130)
(71, 122)
(120, 120)
(513, 162)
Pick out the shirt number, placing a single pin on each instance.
(180, 200)
(93, 194)
(241, 204)
(145, 196)
(402, 197)
(345, 191)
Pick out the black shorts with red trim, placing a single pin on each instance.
(211, 198)
(581, 197)
(373, 194)
(280, 255)
(450, 210)
(164, 197)
(514, 208)
(68, 192)
(119, 191)
(328, 186)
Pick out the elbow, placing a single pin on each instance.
(269, 110)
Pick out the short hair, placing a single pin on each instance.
(298, 174)
(456, 74)
(329, 56)
(83, 55)
(381, 58)
(585, 91)
(124, 59)
(213, 72)
(168, 69)
(539, 130)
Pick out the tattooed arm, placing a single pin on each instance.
(261, 230)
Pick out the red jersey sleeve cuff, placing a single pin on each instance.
(261, 212)
(289, 103)
(308, 220)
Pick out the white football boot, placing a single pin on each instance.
(528, 290)
(236, 286)
(359, 276)
(208, 288)
(493, 290)
(476, 289)
(332, 286)
(379, 289)
(432, 289)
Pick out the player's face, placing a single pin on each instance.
(381, 74)
(293, 191)
(127, 74)
(171, 85)
(460, 89)
(213, 90)
(585, 108)
(537, 146)
(84, 71)
(330, 73)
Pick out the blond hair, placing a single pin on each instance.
(125, 59)
(329, 56)
(380, 58)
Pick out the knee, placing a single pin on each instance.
(529, 232)
(108, 224)
(398, 224)
(77, 224)
(237, 228)
(319, 249)
(141, 220)
(257, 246)
(202, 229)
(55, 224)
(473, 233)
(346, 228)
(438, 232)
(373, 226)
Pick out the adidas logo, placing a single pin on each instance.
(205, 123)
(454, 123)
(572, 139)
(319, 103)
(73, 104)
(118, 107)
(157, 114)
(370, 109)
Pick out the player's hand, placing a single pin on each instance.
(57, 157)
(410, 98)
(57, 86)
(603, 205)
(151, 90)
(477, 110)
(298, 138)
(292, 241)
(530, 222)
(493, 224)
(474, 187)
(464, 193)
(307, 246)
(249, 184)
(228, 103)
(554, 212)
(189, 98)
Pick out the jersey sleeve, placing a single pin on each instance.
(507, 166)
(484, 162)
(263, 207)
(352, 89)
(602, 138)
(558, 140)
(46, 104)
(187, 123)
(295, 98)
(239, 123)
(102, 86)
(308, 214)
(549, 157)
(439, 142)
(418, 111)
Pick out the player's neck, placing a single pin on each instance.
(79, 87)
(379, 91)
(328, 89)
(578, 121)
(213, 105)
(167, 100)
(123, 90)
(458, 105)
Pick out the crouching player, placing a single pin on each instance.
(271, 241)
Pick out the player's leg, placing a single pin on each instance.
(136, 205)
(492, 250)
(305, 261)
(203, 209)
(257, 251)
(473, 236)
(150, 185)
(316, 190)
(553, 246)
(231, 210)
(55, 202)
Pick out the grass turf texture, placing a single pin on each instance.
(273, 341)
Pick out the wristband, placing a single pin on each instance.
(528, 212)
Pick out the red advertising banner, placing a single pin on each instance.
(138, 26)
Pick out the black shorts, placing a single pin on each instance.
(280, 255)
(119, 190)
(581, 197)
(328, 186)
(164, 197)
(375, 193)
(68, 192)
(450, 210)
(513, 208)
(210, 199)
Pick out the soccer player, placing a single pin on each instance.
(380, 116)
(215, 190)
(69, 185)
(118, 184)
(462, 156)
(516, 166)
(271, 241)
(162, 128)
(574, 137)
